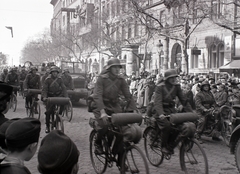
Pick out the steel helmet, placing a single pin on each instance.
(205, 82)
(113, 62)
(66, 70)
(170, 73)
(33, 68)
(54, 68)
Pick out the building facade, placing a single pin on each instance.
(152, 35)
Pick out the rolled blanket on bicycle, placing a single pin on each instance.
(58, 100)
(34, 91)
(179, 118)
(132, 133)
(71, 92)
(123, 119)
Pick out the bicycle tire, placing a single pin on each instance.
(99, 162)
(236, 155)
(59, 123)
(193, 159)
(38, 114)
(226, 132)
(68, 111)
(153, 153)
(13, 102)
(135, 161)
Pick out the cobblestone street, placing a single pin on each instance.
(219, 158)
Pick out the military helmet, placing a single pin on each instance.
(205, 82)
(66, 70)
(170, 73)
(54, 68)
(33, 68)
(5, 70)
(113, 62)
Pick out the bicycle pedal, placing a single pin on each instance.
(167, 156)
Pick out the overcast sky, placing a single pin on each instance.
(28, 18)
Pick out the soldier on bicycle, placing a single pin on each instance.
(67, 80)
(53, 86)
(164, 104)
(204, 101)
(106, 96)
(4, 75)
(32, 81)
(22, 76)
(12, 78)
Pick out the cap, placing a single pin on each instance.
(5, 90)
(57, 153)
(23, 132)
(3, 129)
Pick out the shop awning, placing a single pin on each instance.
(234, 64)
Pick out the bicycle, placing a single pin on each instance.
(133, 159)
(13, 99)
(21, 91)
(56, 102)
(33, 108)
(192, 156)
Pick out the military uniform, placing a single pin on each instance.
(164, 104)
(68, 81)
(32, 81)
(3, 76)
(203, 100)
(53, 87)
(12, 79)
(106, 93)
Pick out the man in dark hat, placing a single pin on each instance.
(5, 93)
(53, 86)
(12, 78)
(21, 139)
(164, 103)
(58, 154)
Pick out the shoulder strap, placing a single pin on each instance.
(112, 84)
(54, 81)
(168, 93)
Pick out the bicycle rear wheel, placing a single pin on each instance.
(99, 162)
(68, 111)
(193, 158)
(59, 123)
(13, 105)
(134, 161)
(153, 147)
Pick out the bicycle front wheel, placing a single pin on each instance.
(99, 161)
(193, 158)
(37, 111)
(68, 111)
(152, 146)
(13, 105)
(134, 161)
(59, 123)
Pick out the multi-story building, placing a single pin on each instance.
(151, 34)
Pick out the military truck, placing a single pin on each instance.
(79, 80)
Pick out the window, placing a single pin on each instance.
(113, 9)
(221, 55)
(129, 31)
(213, 60)
(162, 16)
(63, 20)
(136, 29)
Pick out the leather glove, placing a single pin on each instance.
(104, 118)
(161, 116)
(205, 110)
(44, 99)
